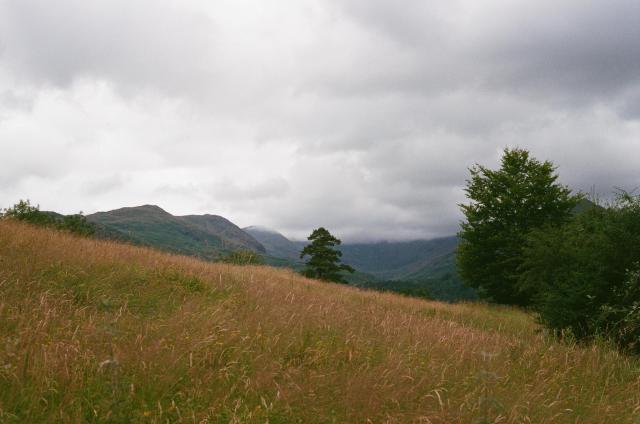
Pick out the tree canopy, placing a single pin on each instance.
(587, 273)
(324, 259)
(25, 211)
(505, 205)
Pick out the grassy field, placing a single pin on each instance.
(94, 331)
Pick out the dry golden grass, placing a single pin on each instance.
(93, 331)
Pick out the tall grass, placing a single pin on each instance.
(93, 331)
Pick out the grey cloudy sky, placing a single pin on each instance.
(359, 115)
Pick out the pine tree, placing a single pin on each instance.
(324, 261)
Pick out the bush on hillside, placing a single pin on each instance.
(243, 257)
(78, 224)
(407, 288)
(585, 273)
(25, 211)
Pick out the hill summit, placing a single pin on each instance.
(206, 236)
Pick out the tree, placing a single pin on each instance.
(589, 273)
(506, 205)
(324, 261)
(24, 211)
(77, 224)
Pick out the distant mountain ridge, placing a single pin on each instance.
(417, 264)
(384, 260)
(386, 265)
(206, 236)
(397, 260)
(275, 243)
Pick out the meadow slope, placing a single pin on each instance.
(95, 331)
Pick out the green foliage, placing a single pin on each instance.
(243, 257)
(24, 211)
(506, 204)
(324, 261)
(77, 224)
(407, 288)
(586, 274)
(621, 317)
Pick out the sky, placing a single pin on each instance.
(362, 116)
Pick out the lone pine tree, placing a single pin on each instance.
(324, 259)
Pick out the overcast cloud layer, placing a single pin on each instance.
(359, 115)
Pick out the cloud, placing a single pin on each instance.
(362, 116)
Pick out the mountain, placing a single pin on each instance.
(382, 260)
(408, 266)
(398, 260)
(275, 243)
(218, 225)
(411, 267)
(206, 236)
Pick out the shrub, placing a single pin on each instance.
(24, 211)
(243, 257)
(621, 316)
(77, 224)
(585, 275)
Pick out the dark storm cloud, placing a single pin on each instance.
(582, 49)
(569, 48)
(360, 115)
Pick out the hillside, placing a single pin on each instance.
(234, 236)
(206, 236)
(275, 243)
(95, 331)
(397, 260)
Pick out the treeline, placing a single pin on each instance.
(529, 241)
(24, 211)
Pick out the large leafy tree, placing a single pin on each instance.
(324, 259)
(505, 206)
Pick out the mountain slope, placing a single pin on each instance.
(397, 260)
(206, 237)
(411, 267)
(234, 236)
(275, 243)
